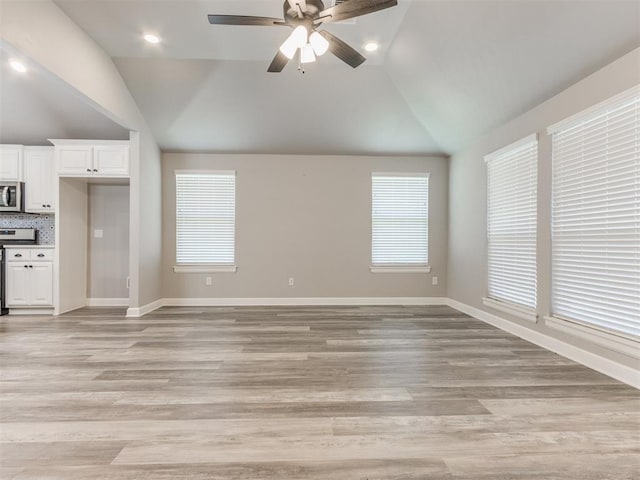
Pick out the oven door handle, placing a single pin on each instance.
(5, 196)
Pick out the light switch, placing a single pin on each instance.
(97, 233)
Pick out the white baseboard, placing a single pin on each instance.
(107, 302)
(302, 301)
(30, 311)
(603, 365)
(143, 310)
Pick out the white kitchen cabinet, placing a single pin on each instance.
(11, 163)
(78, 158)
(29, 278)
(18, 287)
(39, 177)
(111, 160)
(74, 160)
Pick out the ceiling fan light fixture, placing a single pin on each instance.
(307, 55)
(297, 39)
(319, 43)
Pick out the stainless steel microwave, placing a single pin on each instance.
(12, 197)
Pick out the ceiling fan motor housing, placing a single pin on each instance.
(313, 8)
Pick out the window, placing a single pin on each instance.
(205, 219)
(512, 223)
(595, 255)
(399, 221)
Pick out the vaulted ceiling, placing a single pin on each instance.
(446, 72)
(36, 106)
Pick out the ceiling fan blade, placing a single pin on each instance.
(344, 52)
(278, 63)
(354, 8)
(244, 20)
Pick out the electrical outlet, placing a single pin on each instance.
(291, 281)
(98, 233)
(434, 280)
(207, 281)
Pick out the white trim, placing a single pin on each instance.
(31, 311)
(603, 365)
(107, 302)
(519, 311)
(609, 340)
(205, 268)
(143, 310)
(577, 118)
(400, 269)
(301, 301)
(523, 142)
(401, 174)
(87, 143)
(205, 172)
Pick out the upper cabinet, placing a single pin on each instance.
(87, 158)
(11, 163)
(39, 178)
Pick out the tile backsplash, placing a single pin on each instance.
(45, 224)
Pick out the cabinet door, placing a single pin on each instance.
(18, 288)
(41, 274)
(111, 161)
(38, 179)
(11, 163)
(74, 161)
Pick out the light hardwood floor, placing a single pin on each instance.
(302, 393)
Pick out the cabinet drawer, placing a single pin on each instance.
(16, 254)
(41, 255)
(29, 255)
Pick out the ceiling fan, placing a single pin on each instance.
(304, 17)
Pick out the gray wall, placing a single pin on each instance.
(108, 257)
(467, 281)
(307, 217)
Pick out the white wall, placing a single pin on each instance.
(467, 195)
(41, 32)
(307, 217)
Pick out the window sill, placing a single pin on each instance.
(621, 343)
(400, 269)
(525, 313)
(205, 268)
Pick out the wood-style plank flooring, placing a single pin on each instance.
(302, 393)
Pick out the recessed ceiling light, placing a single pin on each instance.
(152, 38)
(17, 65)
(371, 47)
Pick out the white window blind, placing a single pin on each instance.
(205, 218)
(596, 216)
(512, 223)
(399, 219)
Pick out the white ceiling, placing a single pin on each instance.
(35, 106)
(448, 71)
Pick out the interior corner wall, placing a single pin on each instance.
(40, 31)
(148, 222)
(467, 263)
(306, 217)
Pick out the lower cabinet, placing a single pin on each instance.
(29, 283)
